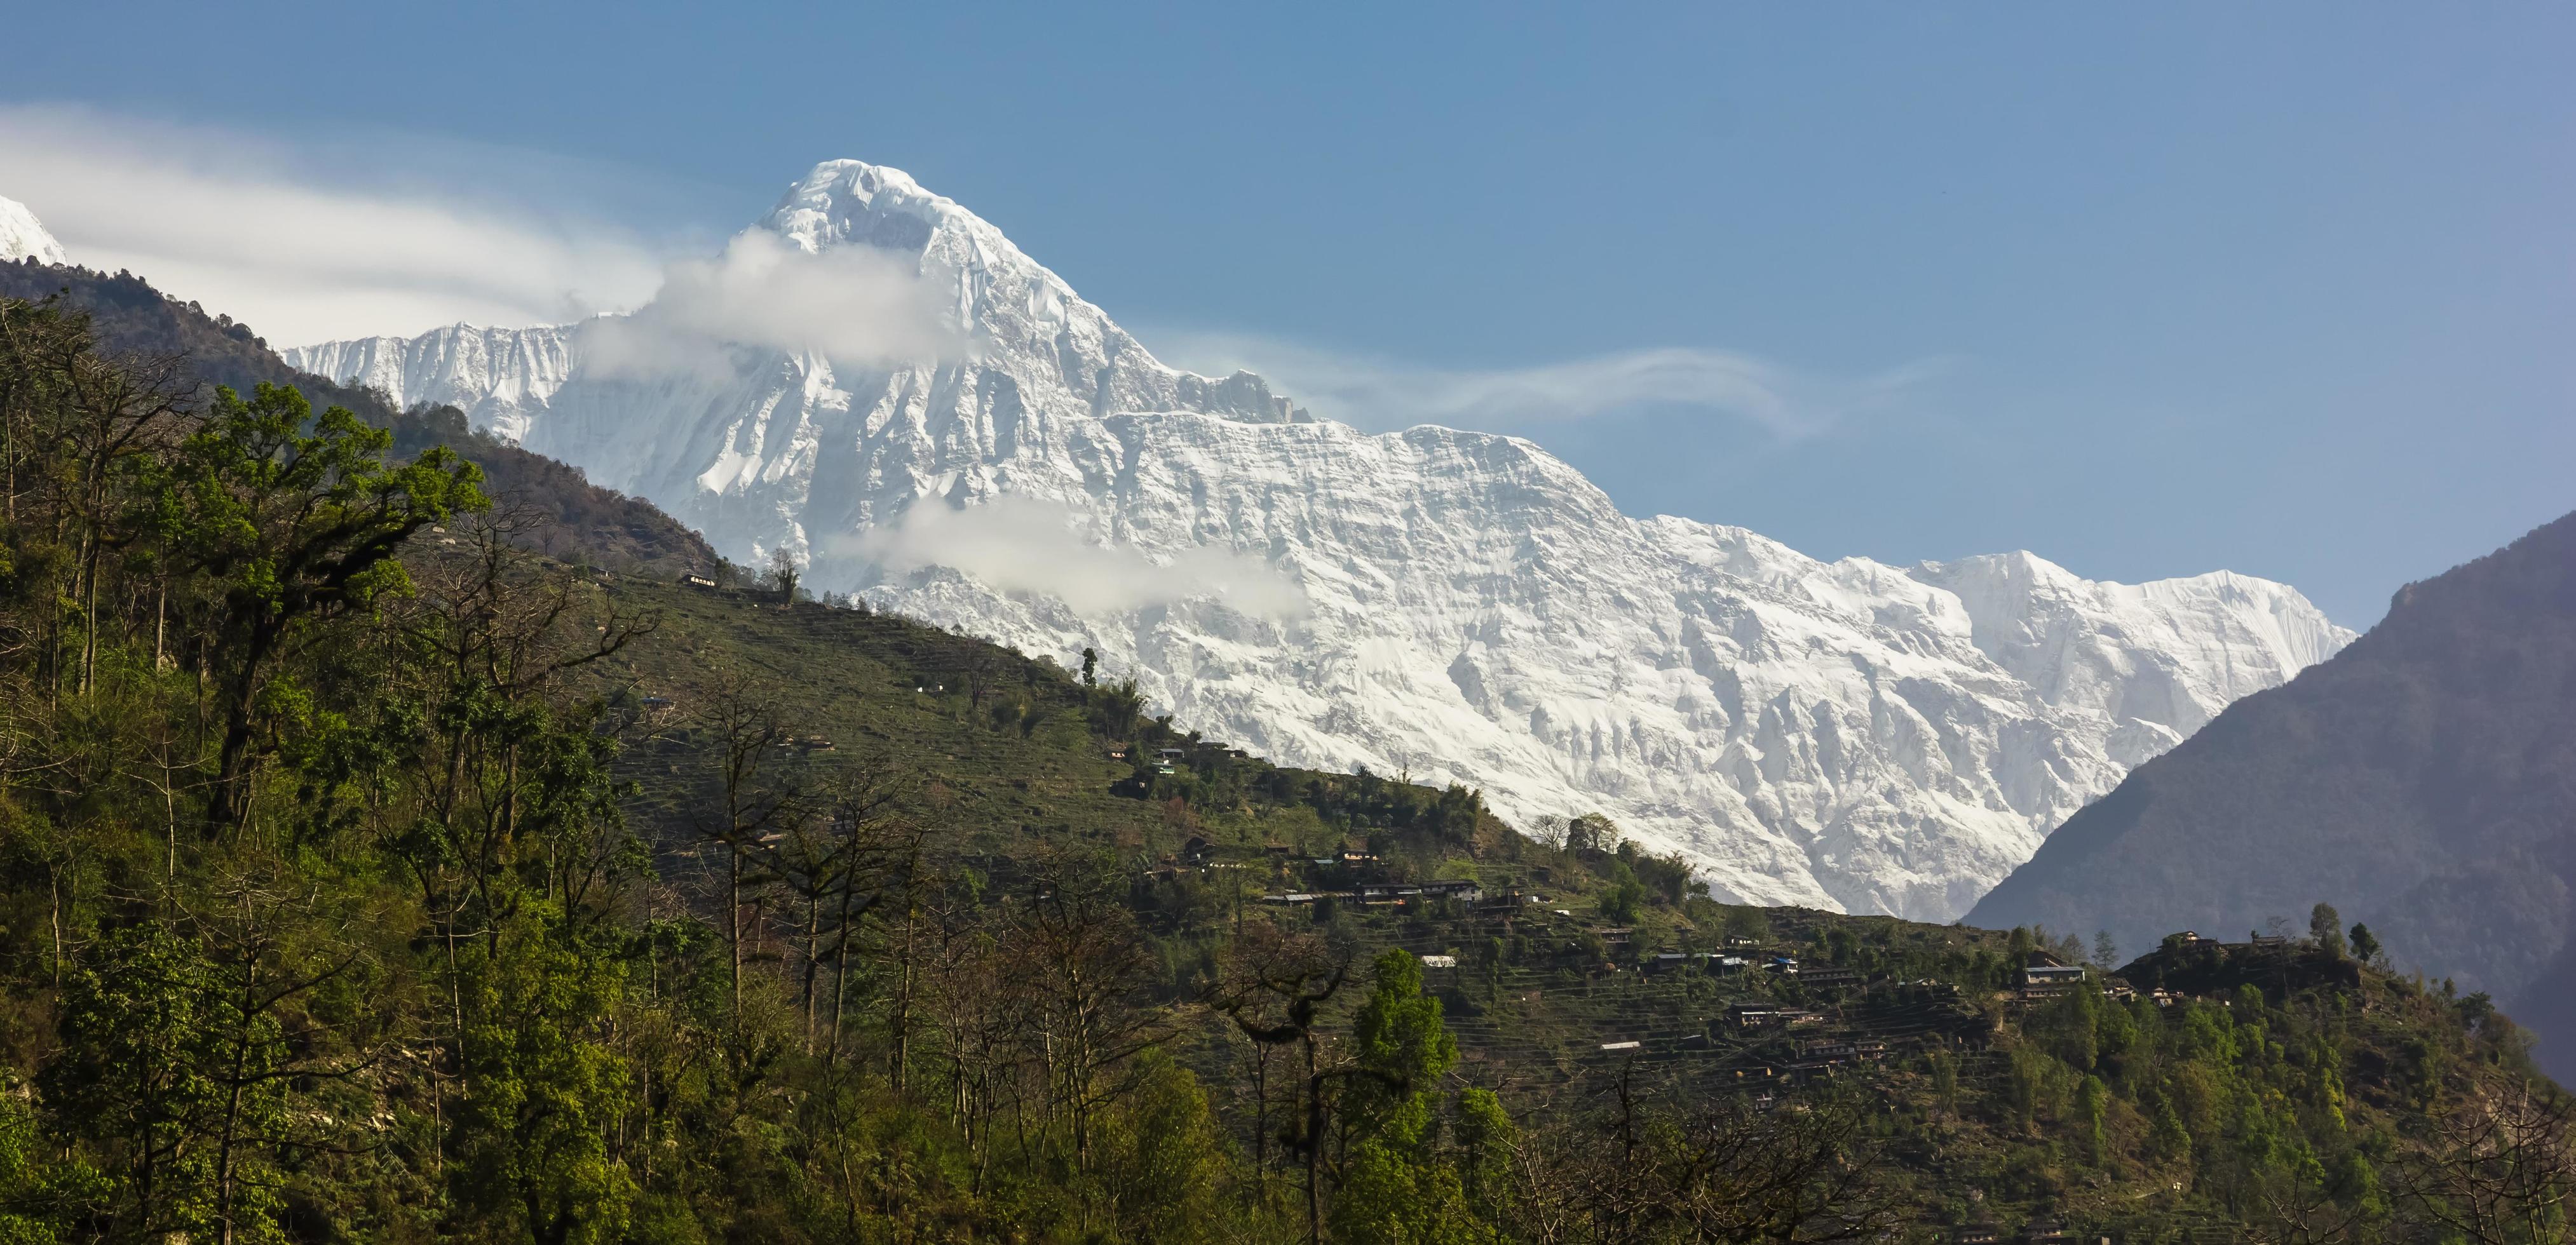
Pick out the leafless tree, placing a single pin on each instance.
(1722, 1170)
(784, 571)
(1274, 985)
(1087, 968)
(748, 736)
(981, 1009)
(2499, 1165)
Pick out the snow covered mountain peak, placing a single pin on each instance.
(1459, 606)
(22, 236)
(852, 200)
(2170, 653)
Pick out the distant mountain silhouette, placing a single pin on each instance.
(589, 523)
(2423, 781)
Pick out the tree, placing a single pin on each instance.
(1401, 1048)
(1160, 1156)
(2325, 928)
(532, 1138)
(784, 571)
(1591, 833)
(142, 1041)
(1620, 902)
(1090, 667)
(747, 731)
(2106, 951)
(2365, 944)
(2499, 1164)
(1119, 709)
(1087, 970)
(1720, 1169)
(1273, 985)
(836, 864)
(1488, 1143)
(296, 518)
(1393, 1189)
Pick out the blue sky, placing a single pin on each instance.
(2286, 289)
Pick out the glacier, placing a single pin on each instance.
(1450, 605)
(22, 236)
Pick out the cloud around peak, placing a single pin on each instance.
(1024, 545)
(1379, 393)
(308, 241)
(853, 305)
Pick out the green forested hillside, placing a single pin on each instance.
(366, 875)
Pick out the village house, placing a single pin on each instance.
(1464, 891)
(2047, 981)
(1769, 1015)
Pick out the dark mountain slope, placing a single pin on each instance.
(2423, 781)
(585, 523)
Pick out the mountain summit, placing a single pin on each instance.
(22, 236)
(1456, 606)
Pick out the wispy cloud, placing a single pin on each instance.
(312, 241)
(850, 304)
(1375, 392)
(1020, 544)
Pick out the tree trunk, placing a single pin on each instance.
(1314, 1146)
(733, 923)
(813, 939)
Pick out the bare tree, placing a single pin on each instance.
(981, 672)
(978, 1002)
(1087, 969)
(1274, 986)
(2497, 1167)
(748, 737)
(883, 852)
(1723, 1170)
(784, 571)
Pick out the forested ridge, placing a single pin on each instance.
(367, 874)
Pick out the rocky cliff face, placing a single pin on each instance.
(1456, 605)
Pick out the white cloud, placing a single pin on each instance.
(851, 304)
(1019, 544)
(1382, 393)
(305, 243)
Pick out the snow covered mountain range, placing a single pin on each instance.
(23, 237)
(1453, 605)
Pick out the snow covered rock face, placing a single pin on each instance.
(22, 236)
(503, 378)
(1453, 605)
